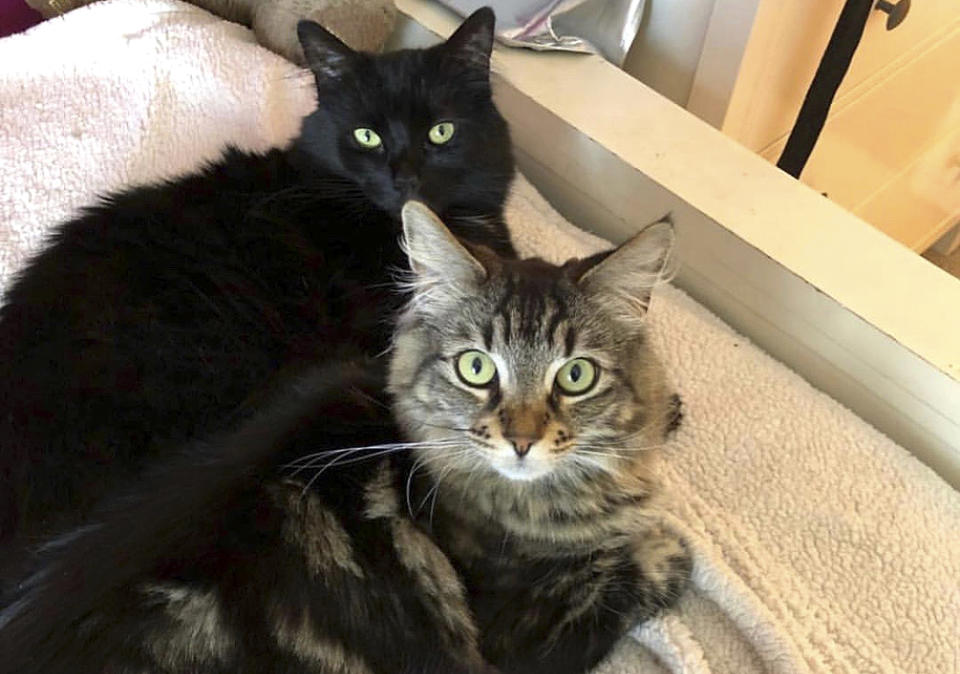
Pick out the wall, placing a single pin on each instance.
(667, 49)
(890, 149)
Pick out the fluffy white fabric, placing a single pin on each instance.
(820, 545)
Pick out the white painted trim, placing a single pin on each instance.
(854, 312)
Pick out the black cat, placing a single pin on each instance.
(159, 315)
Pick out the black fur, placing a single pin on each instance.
(187, 517)
(152, 318)
(207, 523)
(219, 531)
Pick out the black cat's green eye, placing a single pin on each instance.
(367, 138)
(576, 377)
(441, 133)
(476, 368)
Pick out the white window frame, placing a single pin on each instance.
(855, 313)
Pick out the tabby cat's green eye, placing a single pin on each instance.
(476, 368)
(576, 377)
(441, 133)
(367, 138)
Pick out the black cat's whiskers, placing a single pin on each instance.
(371, 399)
(490, 224)
(207, 300)
(316, 190)
(315, 187)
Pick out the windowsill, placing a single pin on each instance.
(854, 312)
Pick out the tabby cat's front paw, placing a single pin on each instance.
(665, 565)
(674, 414)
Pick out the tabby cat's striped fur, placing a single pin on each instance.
(462, 551)
(554, 542)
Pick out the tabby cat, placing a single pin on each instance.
(155, 317)
(511, 533)
(543, 382)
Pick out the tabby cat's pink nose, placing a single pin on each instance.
(522, 445)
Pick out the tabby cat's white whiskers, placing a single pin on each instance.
(597, 438)
(433, 491)
(436, 493)
(581, 459)
(307, 460)
(470, 478)
(442, 427)
(342, 460)
(413, 469)
(339, 461)
(617, 447)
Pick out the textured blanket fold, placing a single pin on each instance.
(819, 544)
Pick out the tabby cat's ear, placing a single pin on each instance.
(325, 54)
(472, 42)
(624, 279)
(443, 270)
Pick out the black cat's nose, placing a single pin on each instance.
(405, 176)
(407, 185)
(522, 445)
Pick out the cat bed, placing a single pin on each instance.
(819, 544)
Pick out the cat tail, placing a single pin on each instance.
(179, 503)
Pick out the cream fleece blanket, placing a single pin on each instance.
(820, 545)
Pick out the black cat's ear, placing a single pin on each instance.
(443, 270)
(624, 279)
(325, 54)
(472, 42)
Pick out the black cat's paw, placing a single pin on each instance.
(674, 415)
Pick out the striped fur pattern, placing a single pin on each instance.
(207, 567)
(450, 553)
(554, 541)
